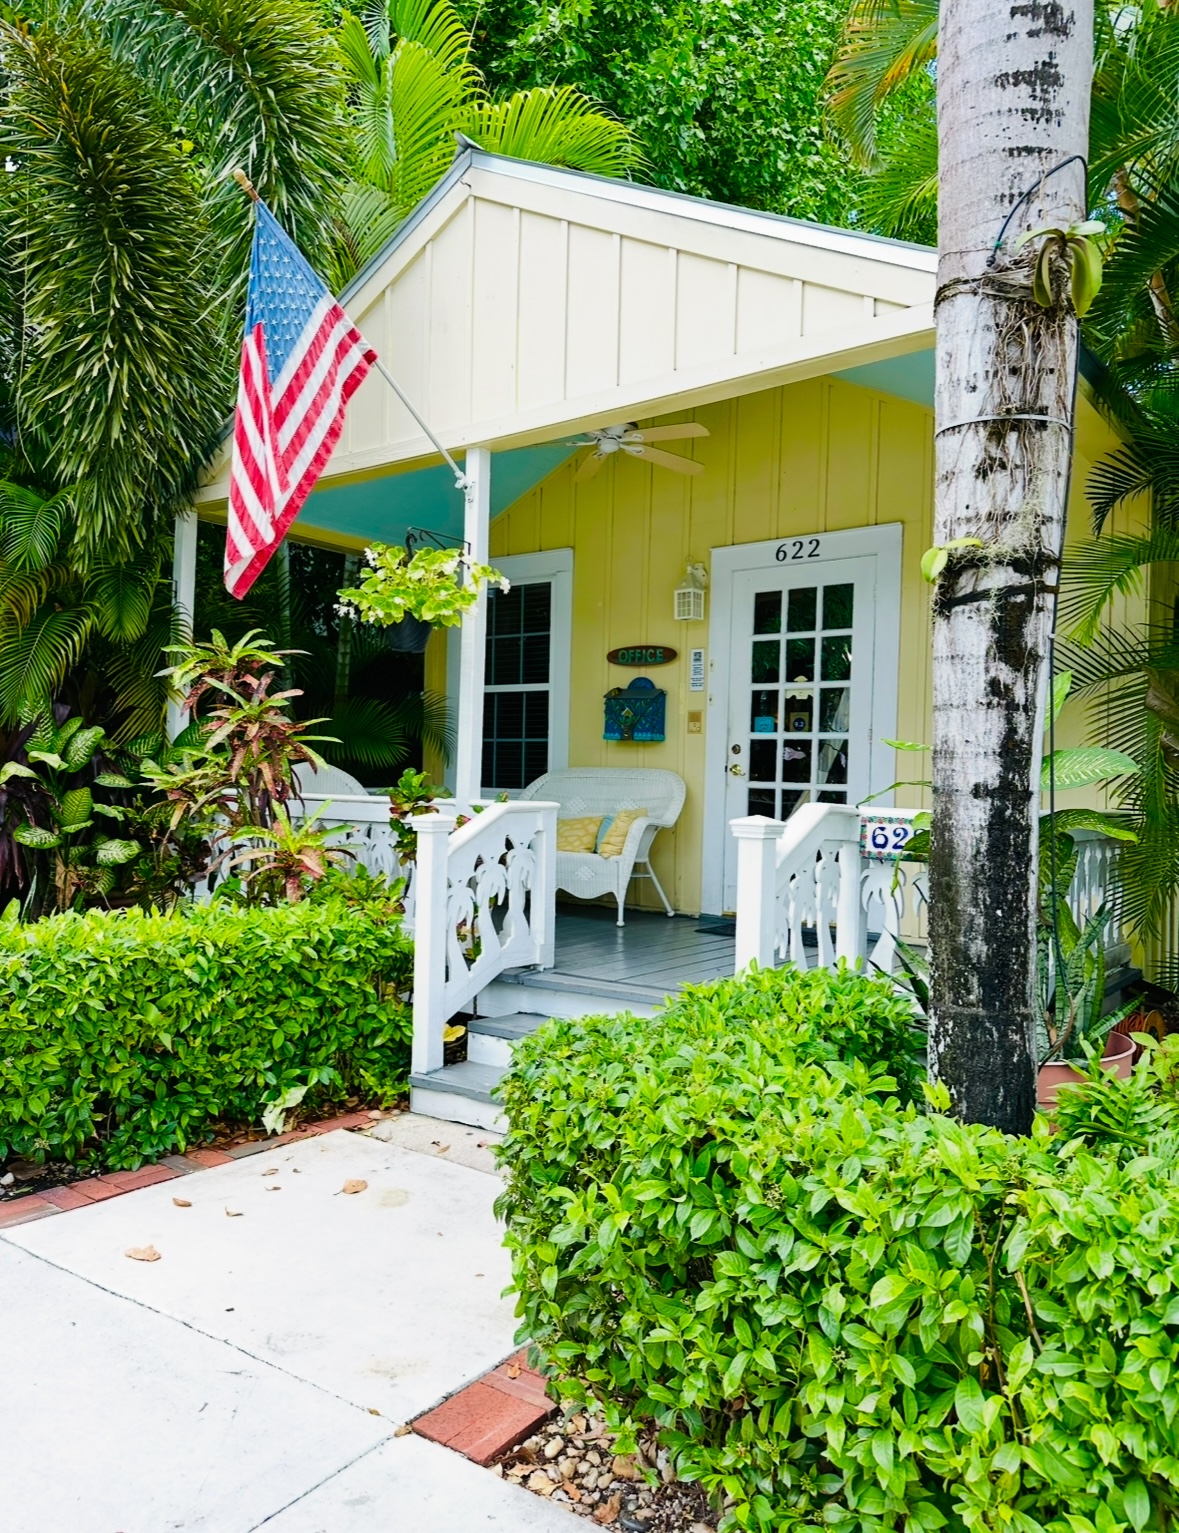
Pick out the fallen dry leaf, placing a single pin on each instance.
(271, 1171)
(513, 1370)
(372, 1410)
(274, 1187)
(539, 1482)
(353, 1185)
(403, 1431)
(571, 1490)
(609, 1510)
(142, 1253)
(578, 1424)
(182, 1202)
(233, 1213)
(624, 1468)
(442, 1149)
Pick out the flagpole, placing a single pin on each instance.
(460, 479)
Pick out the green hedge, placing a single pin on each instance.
(124, 1035)
(733, 1219)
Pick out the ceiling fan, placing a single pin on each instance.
(629, 439)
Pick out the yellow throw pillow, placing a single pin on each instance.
(578, 835)
(614, 840)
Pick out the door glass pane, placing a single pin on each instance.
(796, 761)
(763, 755)
(832, 761)
(834, 706)
(761, 801)
(799, 713)
(832, 798)
(837, 658)
(800, 610)
(838, 605)
(800, 659)
(791, 798)
(767, 612)
(766, 655)
(764, 716)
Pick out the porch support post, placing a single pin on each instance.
(431, 891)
(184, 555)
(757, 889)
(477, 534)
(850, 922)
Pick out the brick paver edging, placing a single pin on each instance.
(58, 1200)
(491, 1415)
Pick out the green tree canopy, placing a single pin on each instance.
(726, 100)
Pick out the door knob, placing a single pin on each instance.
(736, 770)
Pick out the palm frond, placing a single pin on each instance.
(31, 525)
(115, 395)
(885, 43)
(121, 596)
(257, 85)
(1108, 567)
(35, 659)
(369, 733)
(556, 125)
(899, 197)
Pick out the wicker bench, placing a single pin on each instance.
(605, 791)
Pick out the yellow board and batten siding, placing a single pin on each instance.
(811, 457)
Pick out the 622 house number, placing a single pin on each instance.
(797, 548)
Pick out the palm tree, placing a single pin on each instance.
(120, 297)
(414, 88)
(1001, 484)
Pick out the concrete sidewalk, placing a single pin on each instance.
(254, 1376)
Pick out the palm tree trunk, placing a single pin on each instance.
(1013, 104)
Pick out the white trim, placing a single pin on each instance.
(556, 566)
(882, 543)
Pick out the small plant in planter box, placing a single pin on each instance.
(433, 586)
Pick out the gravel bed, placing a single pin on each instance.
(572, 1460)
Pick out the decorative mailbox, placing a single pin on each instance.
(636, 712)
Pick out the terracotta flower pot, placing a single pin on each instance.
(1117, 1057)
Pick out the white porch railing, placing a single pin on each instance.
(809, 873)
(485, 901)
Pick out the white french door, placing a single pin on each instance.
(804, 679)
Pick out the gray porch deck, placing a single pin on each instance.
(652, 951)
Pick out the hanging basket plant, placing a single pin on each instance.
(412, 594)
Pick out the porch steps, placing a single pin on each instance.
(567, 995)
(462, 1093)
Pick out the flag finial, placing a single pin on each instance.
(246, 185)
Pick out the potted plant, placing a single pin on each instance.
(411, 594)
(1072, 999)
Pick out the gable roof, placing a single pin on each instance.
(519, 303)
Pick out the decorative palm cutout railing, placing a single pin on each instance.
(485, 901)
(834, 878)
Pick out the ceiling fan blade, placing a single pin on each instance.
(672, 460)
(590, 467)
(670, 433)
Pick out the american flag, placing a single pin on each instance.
(302, 360)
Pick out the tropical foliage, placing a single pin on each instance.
(838, 1306)
(415, 87)
(725, 100)
(124, 1036)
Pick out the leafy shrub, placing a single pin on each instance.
(125, 1035)
(841, 1309)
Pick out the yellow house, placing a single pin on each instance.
(522, 308)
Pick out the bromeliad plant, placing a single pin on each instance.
(284, 861)
(434, 585)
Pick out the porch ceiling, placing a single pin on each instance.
(520, 303)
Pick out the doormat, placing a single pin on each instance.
(717, 926)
